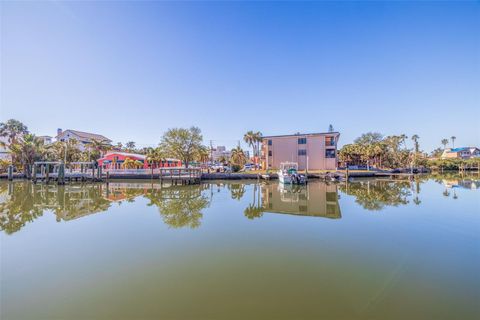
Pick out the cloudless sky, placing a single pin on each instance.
(130, 70)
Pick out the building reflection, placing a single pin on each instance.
(314, 199)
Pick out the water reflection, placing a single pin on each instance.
(179, 206)
(183, 206)
(314, 199)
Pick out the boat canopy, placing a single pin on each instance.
(289, 166)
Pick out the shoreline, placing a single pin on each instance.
(334, 175)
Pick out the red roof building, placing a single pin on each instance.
(115, 160)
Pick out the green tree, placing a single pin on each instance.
(250, 139)
(12, 130)
(238, 156)
(130, 145)
(26, 150)
(369, 138)
(183, 144)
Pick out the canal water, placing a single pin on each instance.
(366, 249)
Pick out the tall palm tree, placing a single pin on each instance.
(453, 141)
(444, 143)
(403, 139)
(415, 138)
(258, 137)
(249, 138)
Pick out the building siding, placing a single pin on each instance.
(286, 148)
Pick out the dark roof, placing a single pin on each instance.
(303, 134)
(87, 135)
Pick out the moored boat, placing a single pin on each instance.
(288, 174)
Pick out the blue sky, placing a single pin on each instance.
(131, 70)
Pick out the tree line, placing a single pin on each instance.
(185, 144)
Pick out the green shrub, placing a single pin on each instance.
(236, 167)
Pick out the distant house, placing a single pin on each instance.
(313, 151)
(115, 160)
(45, 139)
(461, 153)
(83, 138)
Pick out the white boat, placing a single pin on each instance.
(288, 174)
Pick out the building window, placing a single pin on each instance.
(269, 153)
(329, 141)
(302, 140)
(330, 153)
(302, 152)
(270, 142)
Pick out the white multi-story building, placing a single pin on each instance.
(219, 152)
(83, 138)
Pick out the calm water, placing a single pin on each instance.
(369, 249)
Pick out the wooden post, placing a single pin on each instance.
(61, 174)
(10, 172)
(34, 173)
(108, 178)
(47, 172)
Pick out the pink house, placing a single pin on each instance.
(115, 160)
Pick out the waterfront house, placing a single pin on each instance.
(461, 153)
(312, 151)
(45, 139)
(83, 138)
(115, 160)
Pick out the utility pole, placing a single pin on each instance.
(211, 151)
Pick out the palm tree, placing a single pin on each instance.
(132, 164)
(223, 159)
(27, 149)
(415, 138)
(444, 143)
(155, 156)
(250, 139)
(130, 146)
(453, 141)
(98, 147)
(238, 156)
(12, 129)
(403, 139)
